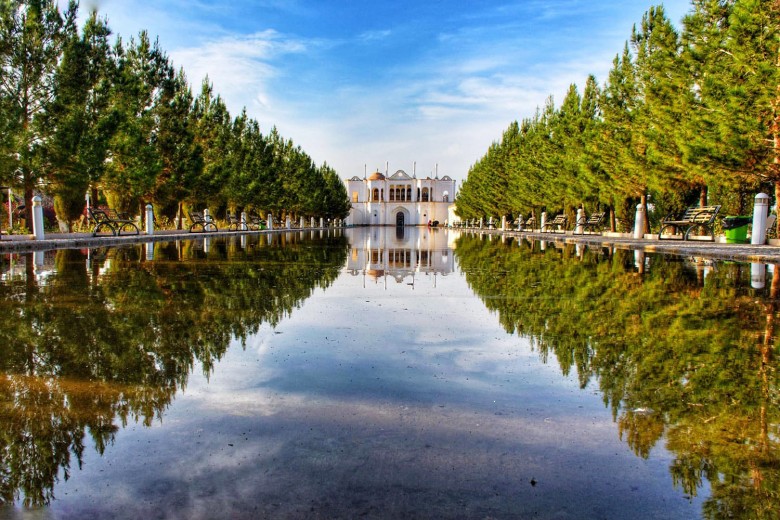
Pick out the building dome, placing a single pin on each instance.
(376, 176)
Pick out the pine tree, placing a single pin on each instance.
(32, 36)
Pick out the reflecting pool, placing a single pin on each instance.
(386, 373)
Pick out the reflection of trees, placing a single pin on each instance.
(88, 346)
(675, 354)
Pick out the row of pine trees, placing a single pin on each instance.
(686, 117)
(81, 113)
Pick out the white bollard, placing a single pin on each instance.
(303, 223)
(149, 220)
(579, 229)
(322, 222)
(520, 222)
(206, 215)
(149, 251)
(269, 221)
(244, 227)
(37, 218)
(480, 223)
(543, 222)
(639, 222)
(503, 223)
(288, 223)
(311, 222)
(760, 214)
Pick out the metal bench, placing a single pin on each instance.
(702, 218)
(111, 220)
(197, 219)
(557, 224)
(595, 223)
(235, 224)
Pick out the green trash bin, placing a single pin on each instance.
(735, 229)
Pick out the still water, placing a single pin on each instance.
(383, 373)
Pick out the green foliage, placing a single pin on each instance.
(682, 116)
(79, 114)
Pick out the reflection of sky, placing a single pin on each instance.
(379, 402)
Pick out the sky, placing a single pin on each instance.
(366, 86)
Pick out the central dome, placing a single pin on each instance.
(376, 176)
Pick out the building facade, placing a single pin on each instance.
(399, 200)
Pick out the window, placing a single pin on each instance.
(375, 195)
(425, 194)
(354, 196)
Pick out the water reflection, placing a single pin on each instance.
(92, 340)
(683, 352)
(367, 389)
(400, 253)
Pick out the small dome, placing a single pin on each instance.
(376, 176)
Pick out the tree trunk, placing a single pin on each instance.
(643, 202)
(703, 196)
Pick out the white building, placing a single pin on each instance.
(399, 200)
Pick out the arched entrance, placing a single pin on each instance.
(400, 219)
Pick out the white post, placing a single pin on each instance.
(543, 222)
(149, 220)
(206, 244)
(480, 223)
(639, 222)
(269, 221)
(206, 215)
(244, 227)
(288, 222)
(519, 222)
(311, 222)
(503, 223)
(149, 251)
(303, 223)
(322, 222)
(579, 229)
(760, 213)
(37, 218)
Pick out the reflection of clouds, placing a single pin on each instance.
(334, 458)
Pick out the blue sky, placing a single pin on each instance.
(367, 83)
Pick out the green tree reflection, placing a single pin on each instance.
(101, 342)
(676, 355)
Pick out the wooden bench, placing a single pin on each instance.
(694, 218)
(198, 219)
(111, 220)
(595, 223)
(557, 224)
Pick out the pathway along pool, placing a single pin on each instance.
(383, 373)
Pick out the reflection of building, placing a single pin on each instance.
(399, 253)
(399, 200)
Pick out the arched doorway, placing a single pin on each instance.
(400, 219)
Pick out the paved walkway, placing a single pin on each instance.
(717, 250)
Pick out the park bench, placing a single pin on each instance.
(595, 223)
(556, 224)
(235, 224)
(529, 224)
(197, 219)
(694, 217)
(111, 220)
